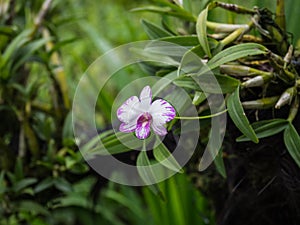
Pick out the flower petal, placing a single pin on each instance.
(127, 127)
(146, 98)
(143, 126)
(162, 111)
(129, 110)
(159, 128)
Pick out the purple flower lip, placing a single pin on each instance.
(141, 114)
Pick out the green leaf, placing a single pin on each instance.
(222, 83)
(63, 185)
(32, 207)
(161, 56)
(189, 40)
(111, 143)
(199, 97)
(187, 83)
(292, 142)
(236, 52)
(144, 168)
(219, 163)
(190, 62)
(27, 51)
(24, 183)
(266, 128)
(15, 45)
(198, 50)
(106, 134)
(124, 200)
(146, 173)
(214, 147)
(11, 177)
(163, 156)
(201, 30)
(227, 84)
(233, 53)
(238, 116)
(153, 31)
(43, 185)
(116, 143)
(68, 133)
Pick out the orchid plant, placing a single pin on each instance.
(254, 63)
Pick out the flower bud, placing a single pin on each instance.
(286, 97)
(218, 36)
(262, 103)
(240, 71)
(257, 81)
(251, 38)
(288, 57)
(225, 28)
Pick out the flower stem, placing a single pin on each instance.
(200, 117)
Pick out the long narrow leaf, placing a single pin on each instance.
(223, 84)
(202, 32)
(266, 128)
(219, 163)
(27, 51)
(233, 53)
(236, 52)
(199, 97)
(237, 114)
(153, 31)
(163, 156)
(16, 43)
(24, 183)
(113, 143)
(146, 173)
(190, 40)
(31, 207)
(292, 142)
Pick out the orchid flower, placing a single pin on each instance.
(141, 114)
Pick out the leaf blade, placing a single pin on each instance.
(201, 30)
(222, 85)
(153, 31)
(237, 114)
(266, 128)
(233, 53)
(292, 142)
(190, 40)
(146, 173)
(163, 156)
(219, 163)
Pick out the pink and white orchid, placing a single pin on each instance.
(141, 114)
